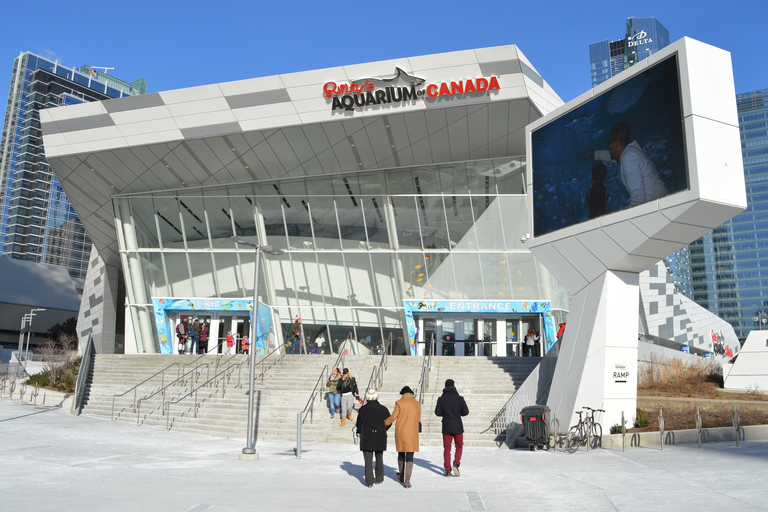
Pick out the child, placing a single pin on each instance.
(597, 196)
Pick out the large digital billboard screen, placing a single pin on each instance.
(622, 148)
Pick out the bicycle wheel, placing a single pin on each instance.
(574, 438)
(597, 436)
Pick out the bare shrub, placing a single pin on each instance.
(57, 355)
(665, 374)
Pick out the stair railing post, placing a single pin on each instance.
(298, 435)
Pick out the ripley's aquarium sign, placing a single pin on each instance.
(401, 88)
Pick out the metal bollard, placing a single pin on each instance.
(736, 423)
(661, 428)
(35, 393)
(698, 425)
(623, 432)
(298, 435)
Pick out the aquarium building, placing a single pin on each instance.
(396, 190)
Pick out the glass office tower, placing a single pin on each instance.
(37, 221)
(728, 265)
(643, 37)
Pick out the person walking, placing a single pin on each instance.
(296, 334)
(334, 398)
(295, 343)
(347, 387)
(205, 330)
(194, 336)
(530, 342)
(373, 436)
(451, 406)
(182, 333)
(408, 416)
(230, 343)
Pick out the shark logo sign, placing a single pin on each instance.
(400, 88)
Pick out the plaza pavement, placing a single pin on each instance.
(52, 461)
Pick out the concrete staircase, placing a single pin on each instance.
(486, 384)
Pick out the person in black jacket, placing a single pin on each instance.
(451, 406)
(347, 387)
(373, 435)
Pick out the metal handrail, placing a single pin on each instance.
(377, 374)
(162, 374)
(222, 374)
(426, 365)
(82, 376)
(309, 409)
(530, 392)
(182, 378)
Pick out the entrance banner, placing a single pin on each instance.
(491, 308)
(167, 334)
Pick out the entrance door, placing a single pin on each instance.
(238, 325)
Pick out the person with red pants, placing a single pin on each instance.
(451, 407)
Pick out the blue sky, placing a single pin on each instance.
(175, 44)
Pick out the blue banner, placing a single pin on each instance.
(501, 307)
(166, 332)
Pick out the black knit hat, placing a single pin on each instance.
(449, 383)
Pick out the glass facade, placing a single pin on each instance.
(357, 245)
(37, 221)
(643, 37)
(728, 269)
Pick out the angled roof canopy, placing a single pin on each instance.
(286, 126)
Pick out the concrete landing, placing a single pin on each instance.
(53, 461)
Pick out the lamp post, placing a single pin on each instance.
(26, 320)
(249, 452)
(761, 318)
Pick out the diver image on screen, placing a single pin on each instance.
(620, 149)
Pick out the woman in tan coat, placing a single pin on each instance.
(407, 415)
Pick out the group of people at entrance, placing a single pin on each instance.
(374, 420)
(192, 338)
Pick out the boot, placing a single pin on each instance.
(343, 422)
(400, 473)
(408, 471)
(349, 417)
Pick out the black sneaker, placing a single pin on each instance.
(456, 471)
(447, 474)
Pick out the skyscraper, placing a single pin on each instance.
(728, 269)
(37, 221)
(643, 37)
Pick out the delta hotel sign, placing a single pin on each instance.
(400, 88)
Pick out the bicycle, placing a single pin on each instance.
(587, 432)
(596, 430)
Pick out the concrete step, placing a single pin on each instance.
(487, 384)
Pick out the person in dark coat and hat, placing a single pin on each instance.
(451, 407)
(373, 436)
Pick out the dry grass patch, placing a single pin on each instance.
(663, 383)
